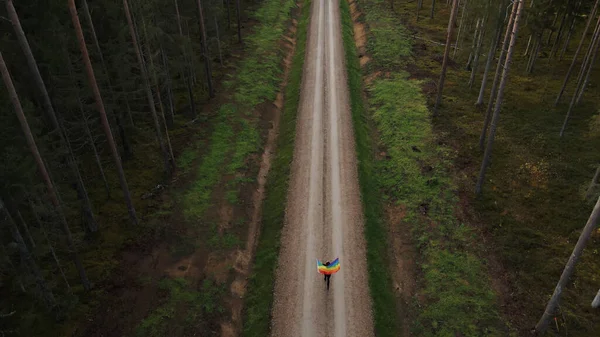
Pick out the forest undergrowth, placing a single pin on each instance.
(524, 226)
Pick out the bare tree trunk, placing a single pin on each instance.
(588, 53)
(218, 41)
(129, 113)
(204, 41)
(488, 150)
(191, 65)
(70, 159)
(488, 63)
(79, 186)
(473, 44)
(184, 71)
(419, 6)
(160, 103)
(559, 34)
(593, 183)
(477, 52)
(50, 246)
(488, 112)
(87, 129)
(568, 75)
(96, 155)
(101, 110)
(178, 17)
(569, 34)
(432, 8)
(239, 24)
(169, 87)
(440, 87)
(27, 232)
(596, 301)
(528, 45)
(542, 324)
(127, 152)
(535, 54)
(580, 86)
(42, 168)
(26, 257)
(149, 97)
(589, 72)
(228, 15)
(460, 26)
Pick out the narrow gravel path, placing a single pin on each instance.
(324, 215)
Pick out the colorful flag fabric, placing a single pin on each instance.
(332, 268)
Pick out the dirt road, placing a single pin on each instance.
(324, 215)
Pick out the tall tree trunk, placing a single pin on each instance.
(42, 168)
(169, 87)
(191, 65)
(596, 301)
(488, 150)
(419, 6)
(588, 53)
(178, 17)
(477, 52)
(528, 45)
(158, 95)
(559, 34)
(542, 324)
(568, 75)
(127, 152)
(535, 54)
(579, 87)
(488, 63)
(50, 246)
(26, 257)
(27, 232)
(446, 53)
(204, 41)
(95, 151)
(101, 110)
(569, 34)
(432, 8)
(473, 45)
(588, 72)
(82, 194)
(593, 184)
(460, 26)
(184, 68)
(238, 11)
(228, 14)
(47, 104)
(87, 129)
(218, 41)
(493, 94)
(149, 97)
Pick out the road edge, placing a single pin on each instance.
(380, 282)
(259, 298)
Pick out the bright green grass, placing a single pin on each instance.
(259, 299)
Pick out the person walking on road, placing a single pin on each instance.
(328, 269)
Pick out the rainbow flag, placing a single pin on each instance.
(332, 268)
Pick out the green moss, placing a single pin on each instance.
(259, 298)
